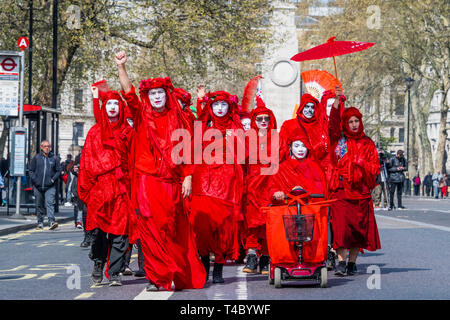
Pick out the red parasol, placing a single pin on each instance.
(332, 49)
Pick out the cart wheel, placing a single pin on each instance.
(323, 277)
(277, 278)
(271, 281)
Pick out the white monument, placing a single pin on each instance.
(281, 76)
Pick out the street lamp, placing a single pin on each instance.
(409, 83)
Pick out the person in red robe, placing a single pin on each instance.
(262, 122)
(159, 185)
(310, 119)
(104, 186)
(218, 184)
(355, 168)
(299, 170)
(185, 100)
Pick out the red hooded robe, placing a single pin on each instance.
(256, 183)
(218, 187)
(103, 182)
(355, 168)
(314, 128)
(166, 235)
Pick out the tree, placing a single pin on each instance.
(412, 40)
(183, 39)
(188, 40)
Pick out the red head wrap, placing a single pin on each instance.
(107, 127)
(348, 113)
(299, 134)
(262, 109)
(304, 100)
(183, 95)
(232, 114)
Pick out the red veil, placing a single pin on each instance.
(103, 182)
(167, 239)
(218, 187)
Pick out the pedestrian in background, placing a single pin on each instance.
(426, 186)
(443, 186)
(416, 182)
(396, 168)
(45, 170)
(436, 178)
(67, 176)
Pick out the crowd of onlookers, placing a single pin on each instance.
(433, 185)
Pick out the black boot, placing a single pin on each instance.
(217, 273)
(206, 264)
(264, 264)
(97, 273)
(252, 264)
(85, 243)
(141, 272)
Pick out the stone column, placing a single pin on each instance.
(281, 76)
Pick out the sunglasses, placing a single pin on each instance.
(260, 119)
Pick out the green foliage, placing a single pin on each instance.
(190, 41)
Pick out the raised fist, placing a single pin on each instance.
(94, 91)
(121, 58)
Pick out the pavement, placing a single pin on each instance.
(28, 221)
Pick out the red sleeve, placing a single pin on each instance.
(334, 126)
(96, 107)
(85, 180)
(133, 102)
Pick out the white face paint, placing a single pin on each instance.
(299, 150)
(246, 123)
(112, 108)
(181, 104)
(157, 98)
(308, 110)
(330, 105)
(220, 108)
(262, 121)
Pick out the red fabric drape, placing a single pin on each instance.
(167, 238)
(353, 178)
(314, 128)
(103, 182)
(218, 187)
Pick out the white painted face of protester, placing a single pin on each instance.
(330, 105)
(262, 121)
(157, 98)
(220, 108)
(246, 123)
(299, 150)
(308, 110)
(112, 109)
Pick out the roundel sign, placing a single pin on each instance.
(8, 64)
(23, 43)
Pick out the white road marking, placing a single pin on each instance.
(241, 290)
(158, 295)
(47, 276)
(85, 295)
(417, 223)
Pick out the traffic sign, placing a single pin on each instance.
(23, 43)
(8, 64)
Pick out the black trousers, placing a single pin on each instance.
(428, 190)
(417, 190)
(140, 256)
(392, 187)
(116, 245)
